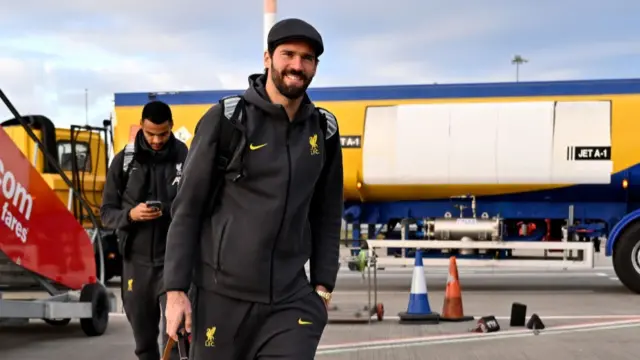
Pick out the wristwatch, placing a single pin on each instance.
(325, 295)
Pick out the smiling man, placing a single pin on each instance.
(280, 207)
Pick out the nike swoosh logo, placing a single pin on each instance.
(256, 147)
(302, 322)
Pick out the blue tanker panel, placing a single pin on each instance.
(408, 92)
(606, 202)
(381, 213)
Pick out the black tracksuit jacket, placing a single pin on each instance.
(286, 210)
(152, 177)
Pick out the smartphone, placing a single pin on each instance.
(157, 205)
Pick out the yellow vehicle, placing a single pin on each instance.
(536, 166)
(82, 155)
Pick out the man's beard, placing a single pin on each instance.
(290, 92)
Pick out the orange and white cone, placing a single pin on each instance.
(452, 308)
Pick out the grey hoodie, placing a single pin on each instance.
(287, 209)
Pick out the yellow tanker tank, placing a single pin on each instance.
(421, 142)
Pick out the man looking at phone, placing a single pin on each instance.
(141, 184)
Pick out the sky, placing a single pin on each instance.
(51, 51)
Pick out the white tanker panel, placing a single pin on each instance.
(488, 143)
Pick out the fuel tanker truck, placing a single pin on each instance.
(540, 174)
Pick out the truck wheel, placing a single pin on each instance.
(96, 294)
(626, 257)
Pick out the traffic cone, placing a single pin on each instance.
(452, 308)
(419, 310)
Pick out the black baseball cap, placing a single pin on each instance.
(294, 29)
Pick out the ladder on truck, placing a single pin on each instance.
(41, 238)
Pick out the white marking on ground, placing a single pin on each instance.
(469, 337)
(547, 317)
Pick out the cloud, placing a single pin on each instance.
(50, 74)
(475, 42)
(51, 51)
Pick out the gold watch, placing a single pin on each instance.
(325, 295)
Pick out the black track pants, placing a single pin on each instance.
(144, 306)
(229, 329)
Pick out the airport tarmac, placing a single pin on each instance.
(588, 315)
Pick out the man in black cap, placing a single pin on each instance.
(141, 183)
(279, 207)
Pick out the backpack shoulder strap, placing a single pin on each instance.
(329, 126)
(328, 123)
(232, 112)
(129, 153)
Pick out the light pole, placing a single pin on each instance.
(269, 18)
(86, 106)
(517, 61)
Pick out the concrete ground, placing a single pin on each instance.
(588, 314)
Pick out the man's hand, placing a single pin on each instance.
(178, 308)
(326, 301)
(144, 213)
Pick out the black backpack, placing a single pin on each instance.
(229, 136)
